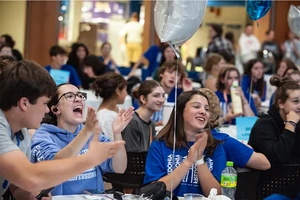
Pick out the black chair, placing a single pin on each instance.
(247, 184)
(7, 195)
(280, 179)
(133, 177)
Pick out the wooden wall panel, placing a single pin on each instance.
(281, 26)
(41, 30)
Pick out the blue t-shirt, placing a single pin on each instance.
(74, 78)
(224, 105)
(159, 163)
(153, 55)
(246, 83)
(109, 64)
(49, 140)
(235, 151)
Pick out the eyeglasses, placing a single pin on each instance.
(70, 96)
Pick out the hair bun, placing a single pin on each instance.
(276, 81)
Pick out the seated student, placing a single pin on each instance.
(294, 74)
(93, 68)
(253, 81)
(167, 77)
(27, 88)
(140, 130)
(111, 87)
(63, 135)
(241, 154)
(212, 67)
(227, 75)
(168, 55)
(199, 159)
(5, 60)
(106, 57)
(6, 50)
(58, 55)
(276, 134)
(285, 65)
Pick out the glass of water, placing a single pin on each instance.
(131, 197)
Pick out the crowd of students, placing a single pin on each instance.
(71, 153)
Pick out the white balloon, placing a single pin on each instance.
(294, 20)
(176, 21)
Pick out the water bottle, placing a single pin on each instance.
(228, 181)
(236, 99)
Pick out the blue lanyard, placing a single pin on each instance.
(5, 183)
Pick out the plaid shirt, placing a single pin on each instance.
(220, 44)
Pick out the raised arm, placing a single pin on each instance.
(119, 161)
(33, 177)
(277, 148)
(136, 65)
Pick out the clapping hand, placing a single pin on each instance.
(122, 120)
(196, 151)
(92, 123)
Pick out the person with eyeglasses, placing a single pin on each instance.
(62, 134)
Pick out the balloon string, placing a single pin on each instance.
(175, 117)
(257, 24)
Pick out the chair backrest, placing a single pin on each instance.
(247, 183)
(133, 176)
(280, 179)
(136, 163)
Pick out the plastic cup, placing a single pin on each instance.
(193, 196)
(131, 197)
(167, 110)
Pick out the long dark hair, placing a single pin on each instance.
(260, 82)
(73, 58)
(167, 133)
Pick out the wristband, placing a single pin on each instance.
(292, 123)
(201, 161)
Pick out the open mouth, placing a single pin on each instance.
(171, 82)
(78, 110)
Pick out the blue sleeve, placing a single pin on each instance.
(237, 152)
(74, 78)
(219, 162)
(43, 147)
(48, 68)
(107, 165)
(154, 169)
(157, 116)
(246, 83)
(151, 52)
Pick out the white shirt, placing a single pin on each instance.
(106, 118)
(249, 46)
(134, 31)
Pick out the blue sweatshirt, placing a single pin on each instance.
(48, 140)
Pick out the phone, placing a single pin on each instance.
(44, 193)
(92, 191)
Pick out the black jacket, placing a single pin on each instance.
(279, 145)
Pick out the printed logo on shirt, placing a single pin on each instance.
(191, 177)
(88, 174)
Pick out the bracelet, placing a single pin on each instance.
(201, 161)
(292, 123)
